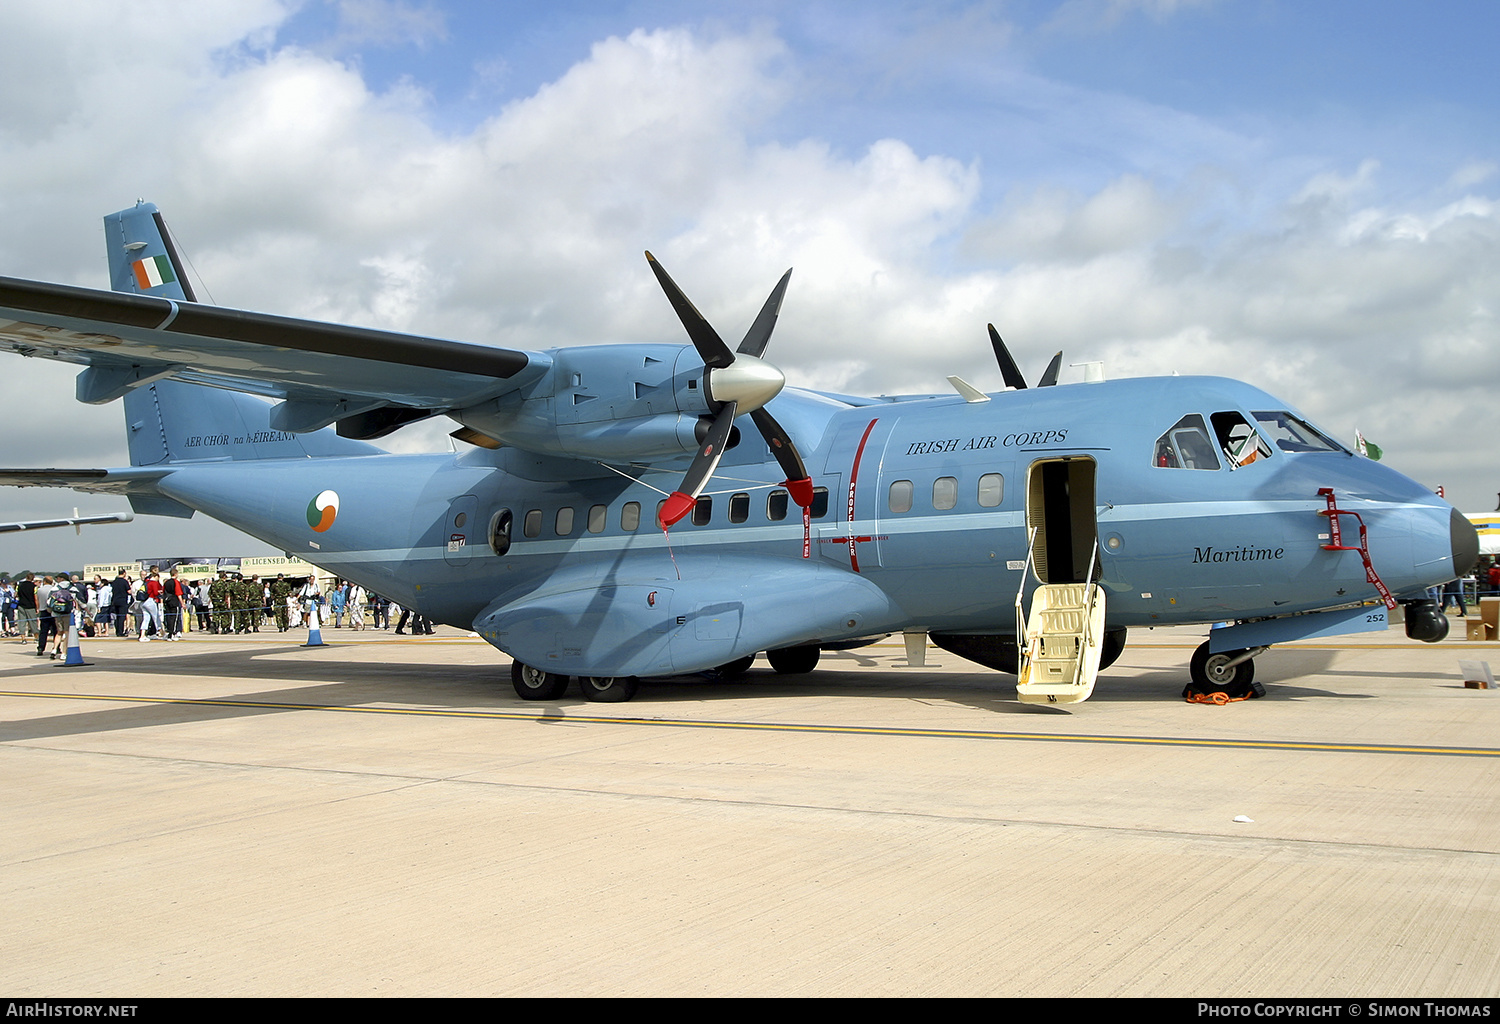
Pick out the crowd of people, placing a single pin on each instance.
(150, 606)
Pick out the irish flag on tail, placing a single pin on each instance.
(153, 271)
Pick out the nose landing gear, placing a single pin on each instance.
(1231, 673)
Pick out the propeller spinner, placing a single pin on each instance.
(734, 383)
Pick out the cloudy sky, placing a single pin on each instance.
(1302, 195)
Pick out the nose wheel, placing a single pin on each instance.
(1229, 672)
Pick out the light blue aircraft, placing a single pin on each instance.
(633, 511)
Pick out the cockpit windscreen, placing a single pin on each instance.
(1290, 434)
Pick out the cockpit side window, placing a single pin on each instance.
(1294, 435)
(1186, 446)
(1238, 439)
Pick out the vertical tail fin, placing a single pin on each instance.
(173, 421)
(142, 259)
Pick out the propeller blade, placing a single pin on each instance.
(706, 340)
(1008, 368)
(1050, 377)
(797, 482)
(760, 331)
(681, 501)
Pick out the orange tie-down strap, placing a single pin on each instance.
(1216, 697)
(1195, 696)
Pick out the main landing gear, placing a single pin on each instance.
(792, 661)
(1231, 673)
(536, 684)
(608, 689)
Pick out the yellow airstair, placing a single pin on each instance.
(1060, 646)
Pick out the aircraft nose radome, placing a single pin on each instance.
(1465, 543)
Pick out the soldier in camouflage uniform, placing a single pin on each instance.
(218, 593)
(253, 601)
(280, 591)
(237, 605)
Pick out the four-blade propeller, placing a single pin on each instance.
(734, 383)
(737, 382)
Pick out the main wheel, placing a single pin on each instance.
(794, 660)
(1212, 673)
(608, 689)
(1112, 648)
(735, 668)
(535, 684)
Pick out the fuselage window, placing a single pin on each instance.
(597, 516)
(1186, 446)
(991, 490)
(564, 522)
(776, 504)
(739, 507)
(820, 502)
(1294, 435)
(630, 516)
(533, 524)
(500, 531)
(900, 496)
(703, 511)
(1238, 440)
(944, 492)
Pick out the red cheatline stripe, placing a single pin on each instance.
(853, 479)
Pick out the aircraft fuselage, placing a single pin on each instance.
(930, 502)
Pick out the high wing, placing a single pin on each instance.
(622, 404)
(324, 373)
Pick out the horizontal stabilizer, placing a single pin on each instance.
(138, 484)
(75, 521)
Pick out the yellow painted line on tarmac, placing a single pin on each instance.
(553, 717)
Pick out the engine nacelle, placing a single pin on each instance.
(612, 402)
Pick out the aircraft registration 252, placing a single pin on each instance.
(631, 511)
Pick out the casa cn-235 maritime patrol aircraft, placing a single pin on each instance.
(640, 510)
